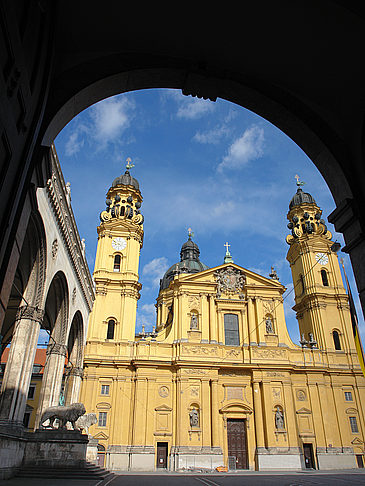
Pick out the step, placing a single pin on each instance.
(90, 471)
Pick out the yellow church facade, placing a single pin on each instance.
(219, 381)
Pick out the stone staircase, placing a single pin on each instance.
(90, 471)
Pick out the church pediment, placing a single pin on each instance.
(250, 278)
(303, 410)
(101, 436)
(163, 408)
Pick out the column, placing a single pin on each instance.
(204, 324)
(73, 385)
(215, 413)
(260, 326)
(220, 327)
(258, 415)
(52, 378)
(205, 414)
(140, 411)
(289, 417)
(252, 339)
(213, 320)
(18, 371)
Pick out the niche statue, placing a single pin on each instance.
(279, 419)
(269, 326)
(194, 418)
(194, 321)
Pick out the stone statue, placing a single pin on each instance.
(69, 413)
(269, 326)
(68, 192)
(279, 419)
(194, 418)
(194, 321)
(86, 421)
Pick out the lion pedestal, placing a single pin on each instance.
(56, 448)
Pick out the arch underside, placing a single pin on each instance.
(287, 112)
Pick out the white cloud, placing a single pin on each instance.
(110, 118)
(194, 108)
(104, 123)
(188, 107)
(76, 140)
(244, 149)
(213, 136)
(155, 269)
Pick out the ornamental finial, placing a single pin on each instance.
(299, 183)
(129, 163)
(190, 233)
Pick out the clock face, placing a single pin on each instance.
(322, 258)
(119, 244)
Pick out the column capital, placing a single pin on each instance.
(31, 313)
(76, 371)
(56, 348)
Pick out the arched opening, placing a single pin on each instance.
(117, 260)
(336, 340)
(166, 204)
(111, 329)
(74, 367)
(21, 325)
(56, 324)
(324, 277)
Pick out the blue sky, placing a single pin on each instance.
(215, 167)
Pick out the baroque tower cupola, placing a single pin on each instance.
(320, 297)
(120, 239)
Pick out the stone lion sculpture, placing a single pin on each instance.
(69, 413)
(86, 421)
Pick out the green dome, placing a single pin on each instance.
(189, 263)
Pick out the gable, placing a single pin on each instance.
(252, 278)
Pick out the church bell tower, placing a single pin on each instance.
(120, 239)
(321, 302)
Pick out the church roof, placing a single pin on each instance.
(126, 180)
(301, 197)
(189, 263)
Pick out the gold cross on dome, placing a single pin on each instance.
(129, 163)
(190, 233)
(227, 246)
(299, 183)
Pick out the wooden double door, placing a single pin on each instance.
(237, 444)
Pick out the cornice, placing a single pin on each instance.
(56, 190)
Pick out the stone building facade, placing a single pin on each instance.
(51, 289)
(219, 382)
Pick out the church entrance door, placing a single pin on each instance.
(162, 455)
(308, 456)
(237, 442)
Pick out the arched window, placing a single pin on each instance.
(324, 278)
(117, 263)
(231, 331)
(336, 340)
(110, 331)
